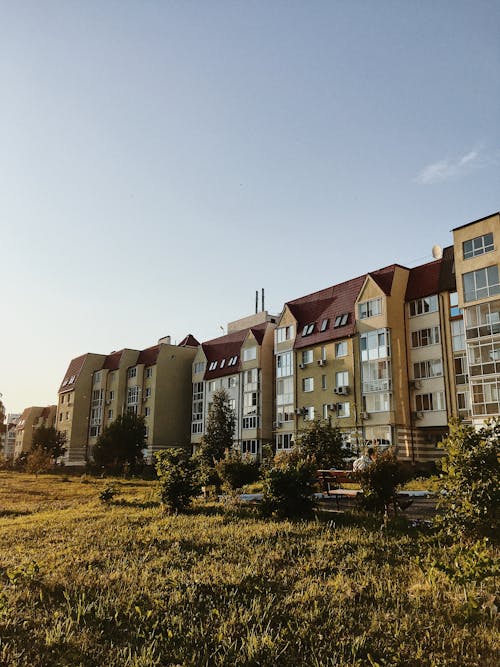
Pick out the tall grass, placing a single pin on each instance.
(84, 583)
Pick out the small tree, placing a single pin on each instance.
(177, 474)
(236, 470)
(49, 440)
(217, 439)
(289, 486)
(121, 443)
(471, 485)
(38, 460)
(323, 442)
(380, 482)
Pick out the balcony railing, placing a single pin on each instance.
(376, 385)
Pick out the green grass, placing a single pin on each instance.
(123, 584)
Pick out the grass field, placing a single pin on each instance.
(83, 583)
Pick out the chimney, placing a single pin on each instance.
(164, 341)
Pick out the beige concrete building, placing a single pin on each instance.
(31, 419)
(477, 258)
(10, 434)
(154, 383)
(241, 363)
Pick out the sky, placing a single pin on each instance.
(162, 160)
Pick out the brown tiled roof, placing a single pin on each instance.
(229, 346)
(189, 341)
(112, 361)
(148, 356)
(73, 371)
(431, 278)
(384, 277)
(326, 304)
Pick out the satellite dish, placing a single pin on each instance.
(437, 251)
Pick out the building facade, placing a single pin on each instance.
(31, 419)
(240, 363)
(154, 383)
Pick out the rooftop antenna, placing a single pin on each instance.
(262, 299)
(256, 301)
(437, 251)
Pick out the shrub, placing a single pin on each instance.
(177, 474)
(380, 481)
(289, 487)
(107, 495)
(38, 460)
(471, 484)
(236, 470)
(321, 440)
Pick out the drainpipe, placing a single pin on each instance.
(412, 422)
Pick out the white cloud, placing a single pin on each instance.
(443, 170)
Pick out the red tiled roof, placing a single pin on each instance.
(148, 356)
(112, 361)
(329, 303)
(326, 304)
(431, 278)
(73, 371)
(229, 346)
(189, 341)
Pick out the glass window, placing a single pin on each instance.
(324, 324)
(481, 283)
(342, 379)
(422, 306)
(341, 349)
(374, 344)
(424, 337)
(250, 353)
(369, 308)
(455, 311)
(478, 246)
(308, 384)
(284, 364)
(307, 357)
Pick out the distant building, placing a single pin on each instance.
(154, 383)
(10, 434)
(31, 419)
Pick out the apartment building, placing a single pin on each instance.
(10, 434)
(241, 363)
(477, 257)
(31, 419)
(154, 383)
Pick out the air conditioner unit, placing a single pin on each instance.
(108, 402)
(321, 362)
(365, 415)
(343, 390)
(301, 366)
(277, 424)
(332, 406)
(298, 411)
(336, 390)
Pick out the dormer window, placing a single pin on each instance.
(341, 320)
(308, 329)
(232, 361)
(222, 363)
(213, 366)
(324, 324)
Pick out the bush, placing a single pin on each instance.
(471, 484)
(321, 440)
(107, 494)
(38, 460)
(289, 487)
(177, 474)
(236, 470)
(380, 482)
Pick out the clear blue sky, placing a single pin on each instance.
(160, 161)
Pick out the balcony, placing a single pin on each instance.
(376, 385)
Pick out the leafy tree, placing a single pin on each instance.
(49, 440)
(3, 425)
(177, 474)
(470, 487)
(38, 460)
(121, 444)
(236, 470)
(217, 439)
(323, 442)
(289, 486)
(380, 481)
